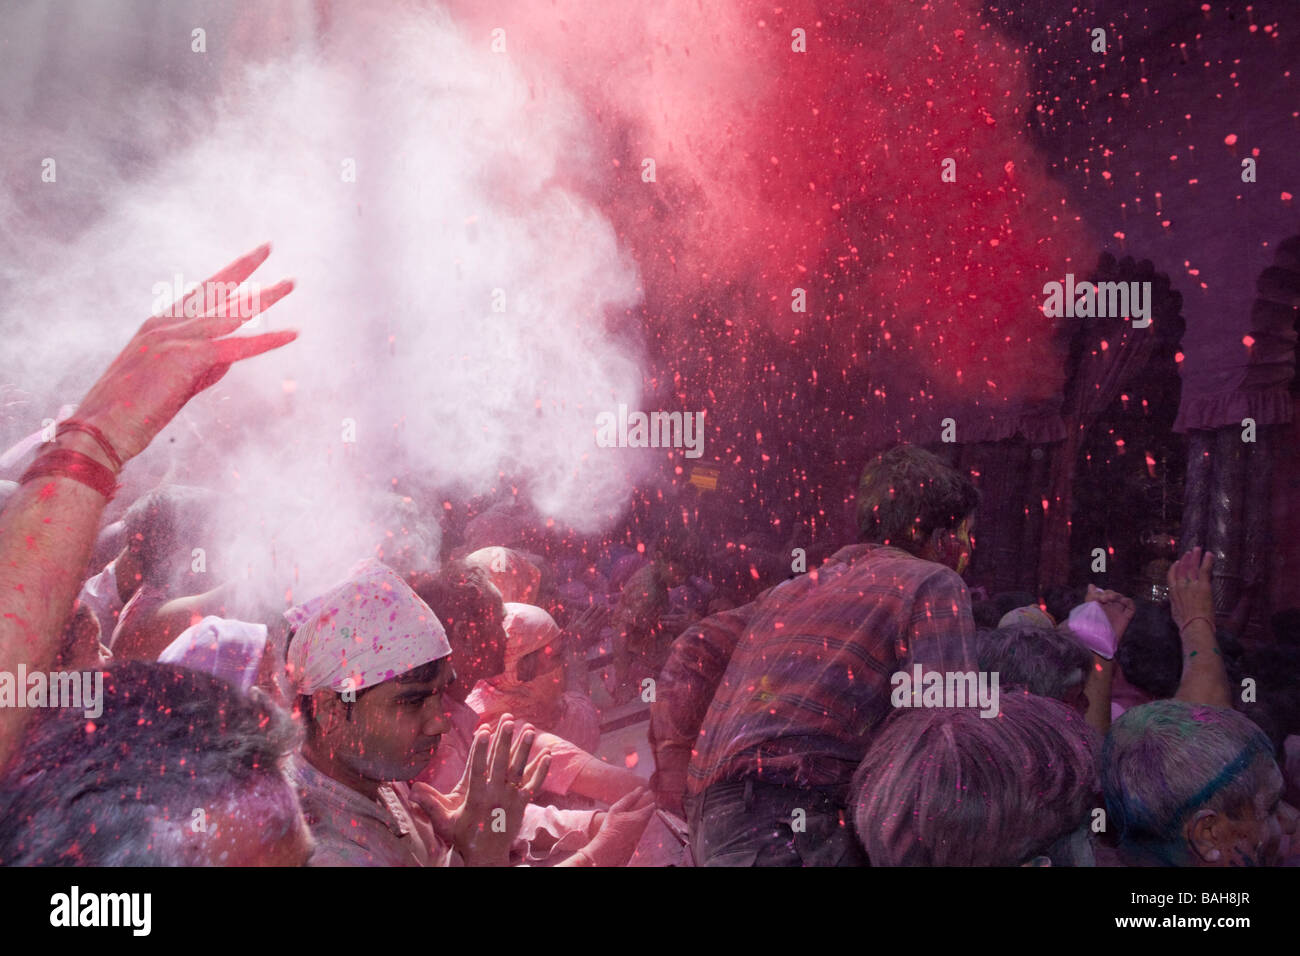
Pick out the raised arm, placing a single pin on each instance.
(1119, 612)
(1205, 679)
(48, 528)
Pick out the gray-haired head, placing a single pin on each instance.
(1165, 762)
(946, 787)
(1043, 660)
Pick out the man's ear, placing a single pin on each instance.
(1202, 833)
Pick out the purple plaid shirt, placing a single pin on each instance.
(800, 677)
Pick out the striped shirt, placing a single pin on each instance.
(802, 674)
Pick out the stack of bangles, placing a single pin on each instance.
(65, 463)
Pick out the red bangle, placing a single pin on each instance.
(65, 463)
(1199, 617)
(72, 425)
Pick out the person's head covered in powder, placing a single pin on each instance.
(1192, 785)
(180, 768)
(910, 499)
(948, 787)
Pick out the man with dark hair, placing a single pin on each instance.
(471, 610)
(773, 705)
(907, 497)
(1151, 657)
(180, 769)
(1060, 600)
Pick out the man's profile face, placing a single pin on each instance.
(966, 544)
(1255, 837)
(394, 729)
(952, 548)
(545, 665)
(1259, 834)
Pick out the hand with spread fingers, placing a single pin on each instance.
(482, 815)
(177, 354)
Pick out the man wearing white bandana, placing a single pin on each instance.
(369, 662)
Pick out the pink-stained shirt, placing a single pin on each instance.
(350, 829)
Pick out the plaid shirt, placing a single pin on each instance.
(802, 674)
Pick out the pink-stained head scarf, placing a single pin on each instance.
(528, 629)
(362, 632)
(223, 647)
(517, 578)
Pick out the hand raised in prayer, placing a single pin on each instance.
(1190, 592)
(482, 815)
(620, 830)
(177, 354)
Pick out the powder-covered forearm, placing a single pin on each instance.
(46, 535)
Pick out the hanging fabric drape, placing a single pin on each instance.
(1113, 352)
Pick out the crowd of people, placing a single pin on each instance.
(460, 714)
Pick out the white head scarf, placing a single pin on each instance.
(362, 632)
(225, 648)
